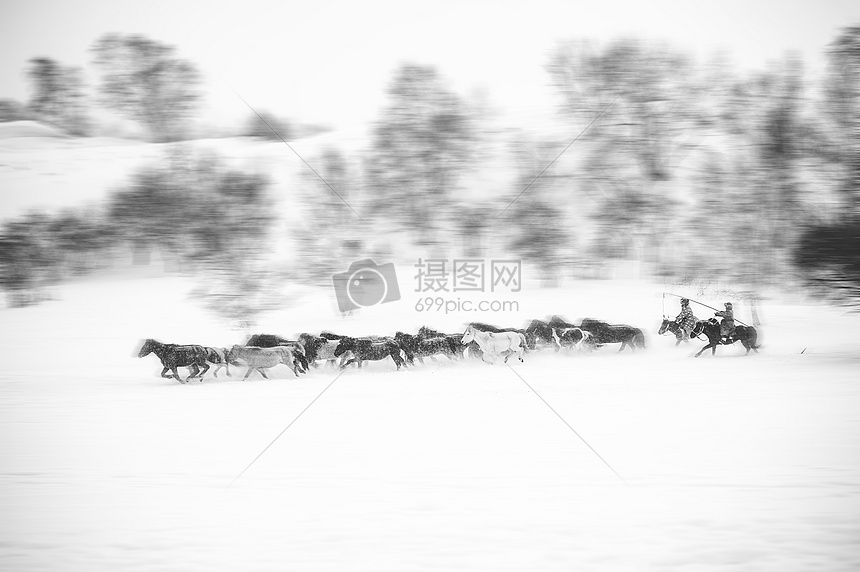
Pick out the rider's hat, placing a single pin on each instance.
(684, 301)
(728, 304)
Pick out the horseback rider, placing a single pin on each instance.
(686, 320)
(727, 324)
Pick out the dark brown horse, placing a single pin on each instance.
(417, 347)
(368, 349)
(604, 333)
(747, 335)
(673, 328)
(425, 333)
(538, 332)
(173, 356)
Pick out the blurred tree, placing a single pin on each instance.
(842, 96)
(653, 105)
(205, 219)
(747, 183)
(194, 210)
(534, 226)
(144, 80)
(421, 145)
(12, 110)
(828, 251)
(539, 236)
(323, 253)
(28, 259)
(81, 239)
(57, 95)
(653, 95)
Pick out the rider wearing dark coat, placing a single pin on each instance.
(686, 319)
(727, 324)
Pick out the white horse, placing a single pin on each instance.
(261, 359)
(496, 345)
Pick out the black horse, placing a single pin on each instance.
(173, 356)
(673, 327)
(416, 347)
(457, 347)
(604, 333)
(747, 335)
(538, 332)
(367, 349)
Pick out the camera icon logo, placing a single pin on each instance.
(365, 284)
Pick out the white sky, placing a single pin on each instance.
(330, 61)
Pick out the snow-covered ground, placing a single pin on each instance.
(728, 463)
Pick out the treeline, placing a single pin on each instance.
(697, 170)
(198, 215)
(694, 169)
(138, 78)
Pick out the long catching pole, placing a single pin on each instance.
(699, 303)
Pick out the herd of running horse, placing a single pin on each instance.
(481, 341)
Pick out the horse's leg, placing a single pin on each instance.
(205, 369)
(708, 345)
(247, 373)
(176, 374)
(262, 371)
(165, 371)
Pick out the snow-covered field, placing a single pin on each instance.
(728, 463)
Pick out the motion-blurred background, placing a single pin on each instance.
(652, 158)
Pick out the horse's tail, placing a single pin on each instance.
(753, 338)
(639, 338)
